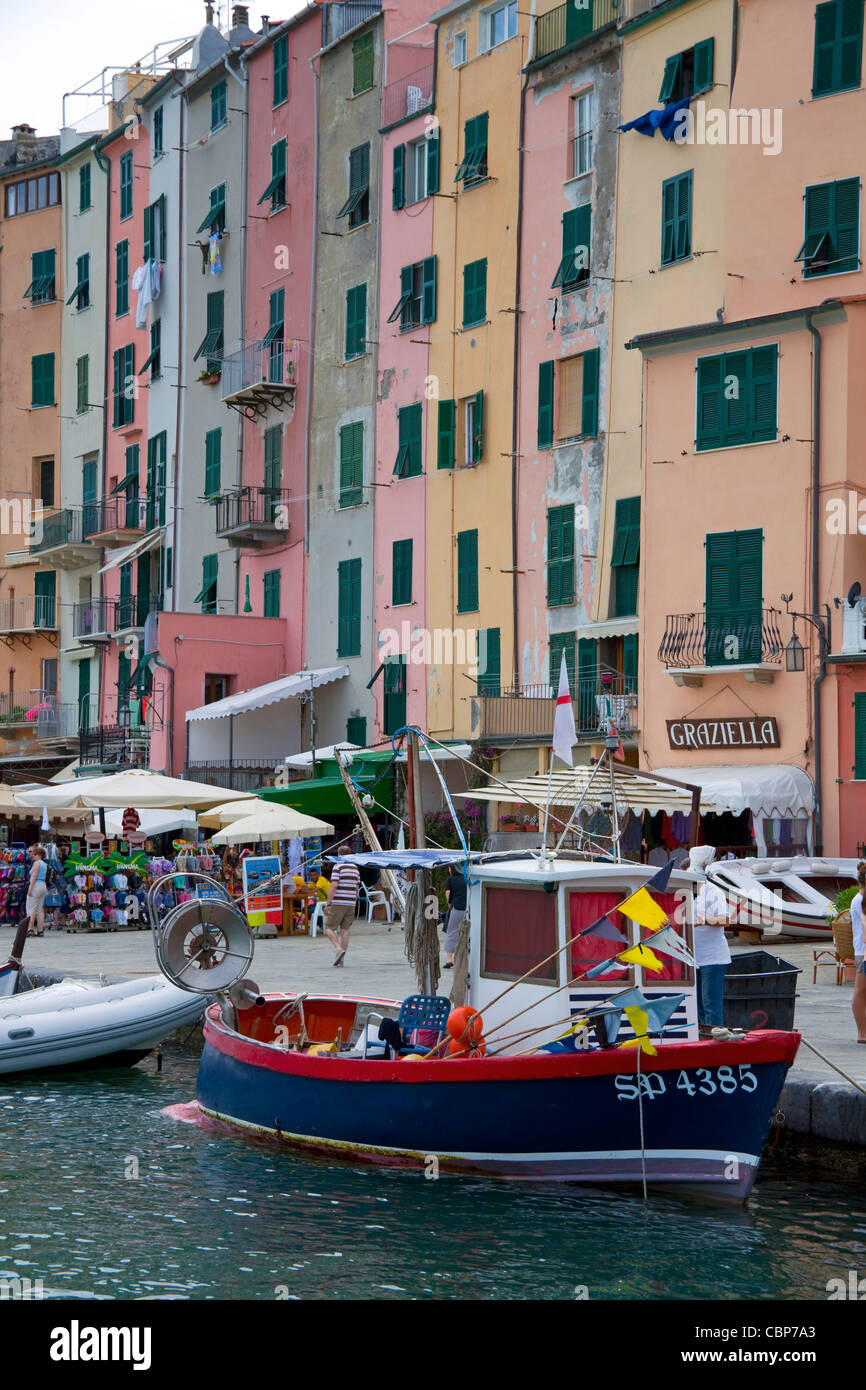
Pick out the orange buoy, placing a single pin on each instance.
(465, 1024)
(473, 1048)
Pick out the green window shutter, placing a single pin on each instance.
(277, 185)
(625, 556)
(560, 556)
(669, 221)
(587, 683)
(859, 768)
(148, 233)
(157, 132)
(352, 464)
(362, 63)
(684, 216)
(116, 391)
(126, 185)
(45, 595)
(846, 225)
(356, 321)
(704, 59)
(672, 80)
(468, 293)
(734, 596)
(629, 662)
(121, 278)
(677, 218)
(711, 402)
(82, 384)
(428, 282)
(273, 474)
(394, 713)
(281, 69)
(398, 182)
(356, 730)
(409, 450)
(764, 387)
(212, 462)
(272, 593)
(545, 404)
(467, 572)
(850, 44)
(349, 608)
(209, 577)
(446, 434)
(160, 204)
(576, 237)
(589, 416)
(562, 642)
(474, 293)
(215, 329)
(401, 572)
(433, 163)
(478, 431)
(83, 695)
(42, 379)
(838, 57)
(218, 105)
(84, 188)
(489, 662)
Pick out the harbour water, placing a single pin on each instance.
(103, 1196)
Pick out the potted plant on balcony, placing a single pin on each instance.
(509, 822)
(208, 378)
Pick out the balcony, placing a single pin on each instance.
(259, 378)
(253, 516)
(93, 619)
(61, 540)
(240, 775)
(569, 23)
(20, 710)
(526, 712)
(695, 645)
(114, 521)
(131, 611)
(408, 96)
(58, 724)
(120, 735)
(22, 618)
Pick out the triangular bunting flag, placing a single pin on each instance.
(659, 881)
(670, 944)
(640, 955)
(600, 969)
(659, 1008)
(606, 1026)
(605, 929)
(639, 1021)
(644, 910)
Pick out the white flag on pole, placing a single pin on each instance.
(564, 732)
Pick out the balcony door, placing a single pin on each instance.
(734, 598)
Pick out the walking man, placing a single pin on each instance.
(340, 906)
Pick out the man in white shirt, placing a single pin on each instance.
(712, 952)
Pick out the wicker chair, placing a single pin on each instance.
(843, 953)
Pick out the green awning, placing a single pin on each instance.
(327, 796)
(213, 212)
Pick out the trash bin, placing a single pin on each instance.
(760, 991)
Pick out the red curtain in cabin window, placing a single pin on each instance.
(519, 931)
(584, 909)
(673, 905)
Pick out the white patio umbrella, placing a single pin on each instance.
(143, 789)
(63, 796)
(280, 823)
(230, 811)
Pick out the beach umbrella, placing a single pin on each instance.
(230, 811)
(140, 788)
(279, 823)
(151, 822)
(63, 796)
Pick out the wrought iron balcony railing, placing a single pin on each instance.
(132, 609)
(59, 528)
(125, 512)
(33, 613)
(251, 514)
(527, 711)
(259, 363)
(570, 22)
(732, 638)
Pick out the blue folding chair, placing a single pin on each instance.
(427, 1012)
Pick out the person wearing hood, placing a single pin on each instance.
(712, 952)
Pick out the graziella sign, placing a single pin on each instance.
(723, 733)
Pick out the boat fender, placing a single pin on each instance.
(465, 1024)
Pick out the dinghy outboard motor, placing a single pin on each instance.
(203, 945)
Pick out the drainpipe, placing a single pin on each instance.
(515, 388)
(105, 166)
(816, 536)
(243, 82)
(312, 327)
(181, 374)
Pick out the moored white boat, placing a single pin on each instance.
(783, 897)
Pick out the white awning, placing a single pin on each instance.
(611, 627)
(771, 789)
(129, 552)
(286, 688)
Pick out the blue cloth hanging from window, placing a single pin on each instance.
(664, 120)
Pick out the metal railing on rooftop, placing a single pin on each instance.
(573, 21)
(347, 15)
(408, 95)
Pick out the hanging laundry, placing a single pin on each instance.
(141, 283)
(155, 279)
(215, 264)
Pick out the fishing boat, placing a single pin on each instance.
(565, 1083)
(784, 897)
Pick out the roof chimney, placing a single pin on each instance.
(24, 137)
(266, 25)
(240, 15)
(208, 14)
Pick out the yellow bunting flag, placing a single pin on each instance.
(639, 1020)
(641, 955)
(643, 909)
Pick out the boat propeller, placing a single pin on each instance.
(204, 945)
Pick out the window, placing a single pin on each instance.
(362, 63)
(688, 74)
(349, 608)
(394, 713)
(156, 134)
(416, 170)
(587, 684)
(401, 573)
(677, 218)
(216, 688)
(474, 293)
(207, 595)
(41, 289)
(409, 421)
(276, 189)
(417, 302)
(273, 476)
(42, 191)
(737, 396)
(274, 338)
(81, 293)
(473, 166)
(82, 384)
(44, 600)
(859, 768)
(838, 47)
(458, 53)
(45, 482)
(124, 385)
(489, 678)
(546, 372)
(126, 185)
(89, 494)
(154, 230)
(211, 345)
(84, 188)
(520, 930)
(272, 593)
(562, 644)
(832, 229)
(157, 448)
(573, 269)
(581, 140)
(445, 439)
(357, 205)
(473, 429)
(218, 105)
(281, 70)
(734, 598)
(213, 445)
(578, 396)
(560, 556)
(467, 572)
(356, 322)
(153, 358)
(625, 556)
(42, 379)
(121, 278)
(496, 25)
(356, 730)
(214, 219)
(352, 464)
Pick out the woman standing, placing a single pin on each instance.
(858, 1003)
(36, 891)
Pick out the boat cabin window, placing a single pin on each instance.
(674, 904)
(586, 908)
(828, 885)
(519, 930)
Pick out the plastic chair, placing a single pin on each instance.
(419, 1012)
(376, 898)
(317, 919)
